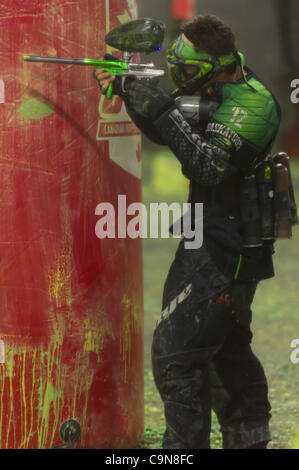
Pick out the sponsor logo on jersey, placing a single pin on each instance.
(220, 129)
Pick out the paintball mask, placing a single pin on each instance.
(191, 70)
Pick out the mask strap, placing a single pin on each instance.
(241, 61)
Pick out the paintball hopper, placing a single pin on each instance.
(142, 35)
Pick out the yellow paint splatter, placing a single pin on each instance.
(97, 330)
(42, 408)
(132, 323)
(60, 276)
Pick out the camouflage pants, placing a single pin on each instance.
(202, 358)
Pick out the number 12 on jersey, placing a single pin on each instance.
(238, 117)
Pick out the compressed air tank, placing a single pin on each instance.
(71, 323)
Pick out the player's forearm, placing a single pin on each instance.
(201, 161)
(145, 126)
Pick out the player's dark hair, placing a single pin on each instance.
(210, 34)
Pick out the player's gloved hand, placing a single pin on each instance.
(147, 99)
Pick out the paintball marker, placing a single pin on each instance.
(142, 35)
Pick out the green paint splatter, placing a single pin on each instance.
(52, 397)
(34, 108)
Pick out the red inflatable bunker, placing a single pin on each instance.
(71, 323)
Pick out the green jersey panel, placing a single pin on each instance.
(252, 115)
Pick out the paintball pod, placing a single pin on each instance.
(268, 206)
(142, 35)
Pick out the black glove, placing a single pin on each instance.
(146, 99)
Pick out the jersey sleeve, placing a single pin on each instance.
(204, 159)
(145, 126)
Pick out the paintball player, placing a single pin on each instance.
(201, 351)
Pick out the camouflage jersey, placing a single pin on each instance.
(238, 135)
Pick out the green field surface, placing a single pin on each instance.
(275, 316)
